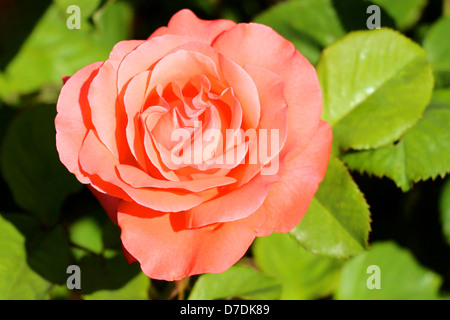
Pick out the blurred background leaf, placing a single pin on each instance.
(13, 17)
(444, 206)
(17, 280)
(310, 25)
(404, 12)
(30, 164)
(240, 281)
(52, 50)
(401, 276)
(135, 289)
(106, 274)
(437, 45)
(302, 274)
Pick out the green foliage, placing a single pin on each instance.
(444, 206)
(135, 289)
(17, 280)
(302, 274)
(401, 277)
(437, 45)
(52, 50)
(239, 281)
(337, 222)
(386, 94)
(404, 12)
(376, 84)
(422, 152)
(310, 25)
(30, 164)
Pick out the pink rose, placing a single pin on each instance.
(196, 140)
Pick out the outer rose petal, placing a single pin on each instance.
(102, 95)
(238, 204)
(186, 23)
(73, 113)
(167, 250)
(289, 198)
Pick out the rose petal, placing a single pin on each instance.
(146, 55)
(186, 23)
(237, 204)
(139, 179)
(133, 100)
(167, 250)
(233, 76)
(100, 166)
(102, 96)
(73, 117)
(259, 45)
(274, 118)
(181, 66)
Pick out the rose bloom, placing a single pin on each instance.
(178, 218)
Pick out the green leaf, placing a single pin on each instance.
(309, 25)
(49, 254)
(405, 12)
(135, 289)
(17, 280)
(302, 274)
(87, 233)
(437, 45)
(376, 84)
(14, 17)
(93, 232)
(444, 209)
(87, 7)
(353, 14)
(337, 222)
(237, 282)
(113, 23)
(401, 276)
(30, 164)
(100, 273)
(422, 153)
(47, 250)
(36, 65)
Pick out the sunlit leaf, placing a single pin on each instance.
(376, 85)
(399, 275)
(422, 153)
(17, 280)
(237, 282)
(52, 50)
(302, 274)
